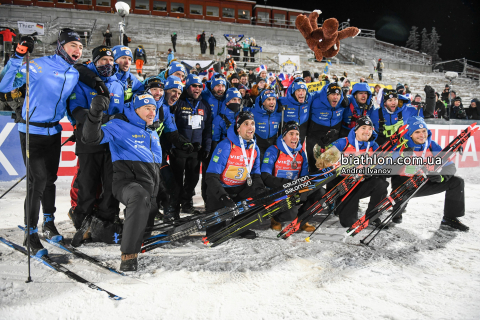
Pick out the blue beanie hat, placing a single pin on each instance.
(415, 123)
(173, 83)
(193, 79)
(299, 85)
(143, 99)
(120, 51)
(174, 67)
(233, 93)
(218, 79)
(267, 94)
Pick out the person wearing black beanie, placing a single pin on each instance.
(307, 76)
(51, 82)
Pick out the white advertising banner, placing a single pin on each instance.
(31, 27)
(289, 63)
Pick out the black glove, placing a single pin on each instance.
(187, 147)
(98, 105)
(227, 201)
(205, 154)
(280, 107)
(429, 92)
(196, 146)
(435, 178)
(331, 136)
(26, 44)
(92, 80)
(120, 116)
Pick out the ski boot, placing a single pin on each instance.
(275, 225)
(249, 234)
(170, 214)
(307, 227)
(105, 231)
(36, 247)
(49, 230)
(129, 262)
(83, 234)
(187, 207)
(453, 224)
(76, 218)
(397, 219)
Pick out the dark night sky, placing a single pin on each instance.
(456, 21)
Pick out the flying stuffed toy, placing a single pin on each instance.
(324, 41)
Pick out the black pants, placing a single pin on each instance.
(380, 75)
(236, 193)
(186, 172)
(374, 187)
(212, 49)
(44, 159)
(454, 205)
(174, 44)
(252, 56)
(95, 168)
(245, 56)
(108, 42)
(205, 163)
(168, 181)
(203, 47)
(140, 211)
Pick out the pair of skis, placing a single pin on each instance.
(46, 260)
(339, 192)
(400, 196)
(224, 214)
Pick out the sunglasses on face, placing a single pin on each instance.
(197, 85)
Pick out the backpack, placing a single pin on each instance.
(198, 37)
(129, 39)
(140, 52)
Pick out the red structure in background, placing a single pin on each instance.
(234, 11)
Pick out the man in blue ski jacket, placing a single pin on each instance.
(95, 162)
(393, 113)
(326, 114)
(131, 85)
(215, 92)
(228, 112)
(267, 120)
(360, 106)
(52, 79)
(296, 105)
(136, 156)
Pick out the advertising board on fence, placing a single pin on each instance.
(12, 166)
(31, 27)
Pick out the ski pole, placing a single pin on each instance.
(21, 179)
(27, 162)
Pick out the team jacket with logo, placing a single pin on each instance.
(227, 161)
(267, 125)
(79, 104)
(296, 111)
(52, 80)
(214, 103)
(276, 165)
(353, 111)
(219, 126)
(136, 151)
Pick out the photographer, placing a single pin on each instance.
(445, 93)
(440, 110)
(457, 111)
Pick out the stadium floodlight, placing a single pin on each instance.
(123, 9)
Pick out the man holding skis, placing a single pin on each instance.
(234, 170)
(419, 143)
(51, 82)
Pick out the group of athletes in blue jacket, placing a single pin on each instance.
(125, 129)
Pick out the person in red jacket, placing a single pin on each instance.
(7, 41)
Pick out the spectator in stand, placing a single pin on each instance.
(407, 89)
(400, 88)
(270, 78)
(212, 43)
(170, 56)
(251, 78)
(457, 111)
(174, 41)
(307, 76)
(346, 87)
(258, 87)
(247, 102)
(377, 94)
(234, 80)
(445, 94)
(126, 40)
(473, 111)
(418, 98)
(203, 43)
(315, 76)
(7, 42)
(246, 48)
(362, 80)
(440, 111)
(252, 50)
(371, 68)
(108, 38)
(140, 57)
(380, 67)
(244, 80)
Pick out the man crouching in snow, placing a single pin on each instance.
(419, 142)
(136, 157)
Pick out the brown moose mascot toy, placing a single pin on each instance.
(324, 41)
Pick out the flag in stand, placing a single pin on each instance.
(261, 68)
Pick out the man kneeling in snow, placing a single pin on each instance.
(136, 157)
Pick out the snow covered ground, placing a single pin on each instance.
(412, 271)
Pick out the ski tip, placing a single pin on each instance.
(307, 239)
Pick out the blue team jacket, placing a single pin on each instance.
(391, 118)
(322, 113)
(294, 110)
(266, 124)
(347, 114)
(214, 103)
(219, 127)
(343, 143)
(52, 80)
